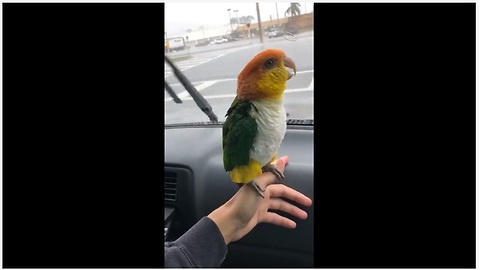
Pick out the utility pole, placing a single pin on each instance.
(278, 21)
(236, 15)
(229, 16)
(260, 30)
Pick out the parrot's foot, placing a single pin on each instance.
(271, 168)
(259, 190)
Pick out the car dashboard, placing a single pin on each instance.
(196, 184)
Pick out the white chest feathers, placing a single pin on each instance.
(271, 126)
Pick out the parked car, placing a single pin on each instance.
(202, 43)
(176, 44)
(220, 40)
(291, 29)
(231, 39)
(275, 33)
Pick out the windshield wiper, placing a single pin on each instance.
(172, 93)
(197, 97)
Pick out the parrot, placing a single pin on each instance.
(255, 123)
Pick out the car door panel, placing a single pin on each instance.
(199, 149)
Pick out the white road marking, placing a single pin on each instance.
(234, 79)
(296, 90)
(188, 64)
(185, 95)
(206, 61)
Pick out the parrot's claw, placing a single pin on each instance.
(259, 190)
(271, 168)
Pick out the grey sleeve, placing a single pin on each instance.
(201, 246)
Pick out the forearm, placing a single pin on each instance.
(225, 221)
(201, 246)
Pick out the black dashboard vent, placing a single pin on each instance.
(170, 186)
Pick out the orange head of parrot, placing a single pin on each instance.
(265, 76)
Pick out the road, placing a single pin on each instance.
(214, 74)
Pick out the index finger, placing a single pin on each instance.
(280, 163)
(289, 193)
(266, 179)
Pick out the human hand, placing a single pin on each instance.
(238, 216)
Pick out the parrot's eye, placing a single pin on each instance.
(270, 63)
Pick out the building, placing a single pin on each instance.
(206, 34)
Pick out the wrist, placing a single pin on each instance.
(225, 222)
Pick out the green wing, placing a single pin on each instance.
(239, 131)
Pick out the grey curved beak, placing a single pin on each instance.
(290, 64)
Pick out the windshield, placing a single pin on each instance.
(210, 43)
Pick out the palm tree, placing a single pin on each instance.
(294, 9)
(248, 19)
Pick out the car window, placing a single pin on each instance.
(211, 48)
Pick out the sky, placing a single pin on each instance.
(180, 16)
